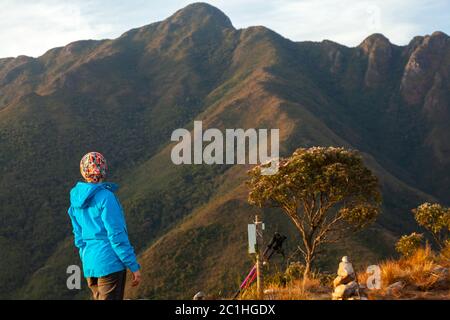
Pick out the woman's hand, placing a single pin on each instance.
(136, 280)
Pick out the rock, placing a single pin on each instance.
(341, 280)
(346, 285)
(345, 291)
(271, 294)
(358, 298)
(442, 278)
(345, 273)
(394, 288)
(336, 295)
(337, 282)
(363, 291)
(440, 270)
(270, 291)
(419, 74)
(200, 296)
(345, 268)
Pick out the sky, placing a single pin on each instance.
(31, 27)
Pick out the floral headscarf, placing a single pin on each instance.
(93, 167)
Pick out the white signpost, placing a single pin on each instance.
(251, 238)
(255, 246)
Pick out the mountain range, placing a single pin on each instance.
(124, 97)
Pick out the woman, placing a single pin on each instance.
(100, 232)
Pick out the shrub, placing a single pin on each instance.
(295, 270)
(436, 219)
(408, 245)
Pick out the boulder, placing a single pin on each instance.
(440, 271)
(395, 288)
(441, 274)
(346, 273)
(363, 291)
(345, 268)
(345, 291)
(337, 281)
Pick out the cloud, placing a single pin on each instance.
(32, 27)
(345, 21)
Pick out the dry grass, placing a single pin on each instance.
(417, 274)
(445, 253)
(292, 291)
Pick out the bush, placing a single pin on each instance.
(278, 279)
(436, 219)
(295, 270)
(408, 245)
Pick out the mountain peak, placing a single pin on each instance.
(378, 50)
(201, 11)
(439, 34)
(374, 40)
(438, 39)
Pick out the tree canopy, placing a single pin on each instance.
(323, 190)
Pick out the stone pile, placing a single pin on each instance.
(346, 285)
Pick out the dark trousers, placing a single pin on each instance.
(110, 287)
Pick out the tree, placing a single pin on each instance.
(436, 219)
(408, 245)
(324, 191)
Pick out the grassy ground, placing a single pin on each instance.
(419, 275)
(424, 275)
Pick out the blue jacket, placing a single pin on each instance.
(100, 230)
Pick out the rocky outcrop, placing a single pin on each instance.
(379, 54)
(427, 58)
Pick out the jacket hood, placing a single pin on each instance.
(83, 192)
